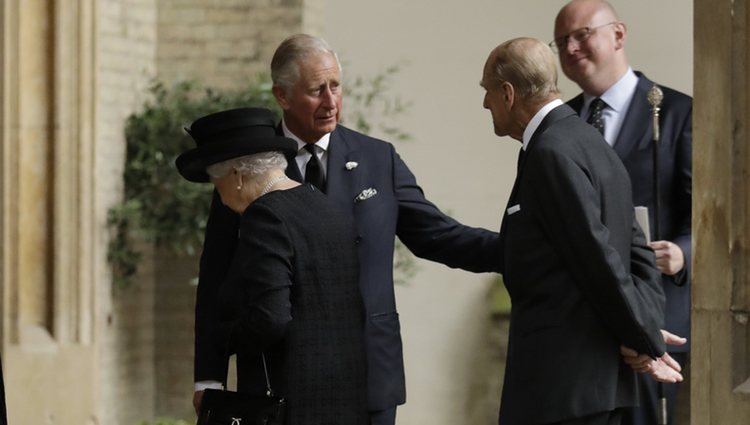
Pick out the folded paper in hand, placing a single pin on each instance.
(641, 216)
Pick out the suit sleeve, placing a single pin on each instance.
(568, 208)
(431, 234)
(684, 165)
(218, 249)
(265, 281)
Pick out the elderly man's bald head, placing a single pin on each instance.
(592, 7)
(590, 39)
(527, 64)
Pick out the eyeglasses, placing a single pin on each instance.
(578, 36)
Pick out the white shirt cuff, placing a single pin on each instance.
(214, 385)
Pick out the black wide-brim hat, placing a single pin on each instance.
(230, 134)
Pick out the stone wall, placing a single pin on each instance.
(126, 61)
(173, 328)
(222, 43)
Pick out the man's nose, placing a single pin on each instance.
(571, 46)
(329, 99)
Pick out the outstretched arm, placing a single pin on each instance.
(431, 234)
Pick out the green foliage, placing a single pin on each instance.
(367, 98)
(161, 207)
(499, 298)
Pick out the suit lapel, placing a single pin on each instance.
(555, 115)
(552, 117)
(576, 103)
(292, 170)
(341, 182)
(634, 132)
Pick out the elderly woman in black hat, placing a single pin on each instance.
(291, 292)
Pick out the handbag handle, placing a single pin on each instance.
(269, 390)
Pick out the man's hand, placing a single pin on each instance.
(197, 399)
(663, 369)
(669, 257)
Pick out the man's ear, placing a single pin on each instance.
(280, 94)
(621, 32)
(509, 94)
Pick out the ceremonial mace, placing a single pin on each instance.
(655, 97)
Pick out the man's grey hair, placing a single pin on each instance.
(290, 53)
(254, 165)
(529, 65)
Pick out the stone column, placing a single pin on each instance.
(47, 242)
(720, 389)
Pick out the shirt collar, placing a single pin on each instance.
(617, 96)
(322, 143)
(537, 119)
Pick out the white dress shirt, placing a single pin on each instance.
(537, 119)
(303, 156)
(617, 98)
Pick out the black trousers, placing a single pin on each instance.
(612, 417)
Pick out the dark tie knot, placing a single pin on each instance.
(598, 104)
(310, 148)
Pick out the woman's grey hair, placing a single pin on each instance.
(292, 51)
(254, 165)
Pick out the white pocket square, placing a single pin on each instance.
(366, 194)
(514, 209)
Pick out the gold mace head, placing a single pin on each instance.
(655, 96)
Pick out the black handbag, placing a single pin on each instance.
(220, 407)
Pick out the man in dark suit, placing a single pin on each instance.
(581, 279)
(367, 179)
(590, 40)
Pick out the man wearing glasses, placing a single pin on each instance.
(590, 41)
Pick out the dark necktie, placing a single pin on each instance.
(521, 155)
(595, 115)
(314, 170)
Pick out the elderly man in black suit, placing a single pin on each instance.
(581, 279)
(366, 179)
(590, 39)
